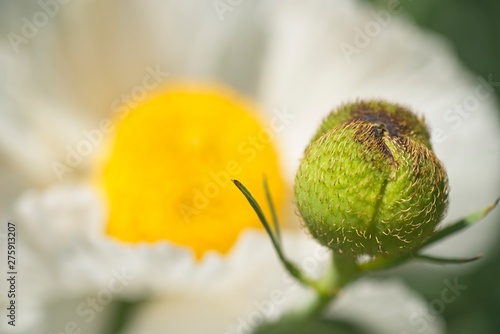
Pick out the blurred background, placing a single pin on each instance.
(471, 28)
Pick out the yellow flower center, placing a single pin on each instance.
(168, 176)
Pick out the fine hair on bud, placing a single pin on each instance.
(369, 182)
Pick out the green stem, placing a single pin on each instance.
(342, 271)
(346, 269)
(314, 308)
(124, 311)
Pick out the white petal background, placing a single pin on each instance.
(283, 54)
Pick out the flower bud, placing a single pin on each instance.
(369, 182)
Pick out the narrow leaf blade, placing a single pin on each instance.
(440, 260)
(272, 209)
(469, 220)
(258, 210)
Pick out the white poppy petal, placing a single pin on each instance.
(71, 219)
(387, 307)
(287, 54)
(82, 261)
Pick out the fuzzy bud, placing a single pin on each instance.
(369, 182)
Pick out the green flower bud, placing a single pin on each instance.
(369, 182)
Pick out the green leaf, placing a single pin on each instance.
(380, 262)
(441, 260)
(290, 267)
(469, 220)
(258, 210)
(272, 209)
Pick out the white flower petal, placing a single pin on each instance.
(387, 307)
(258, 290)
(72, 222)
(76, 260)
(93, 53)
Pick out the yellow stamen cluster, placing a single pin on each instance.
(168, 174)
